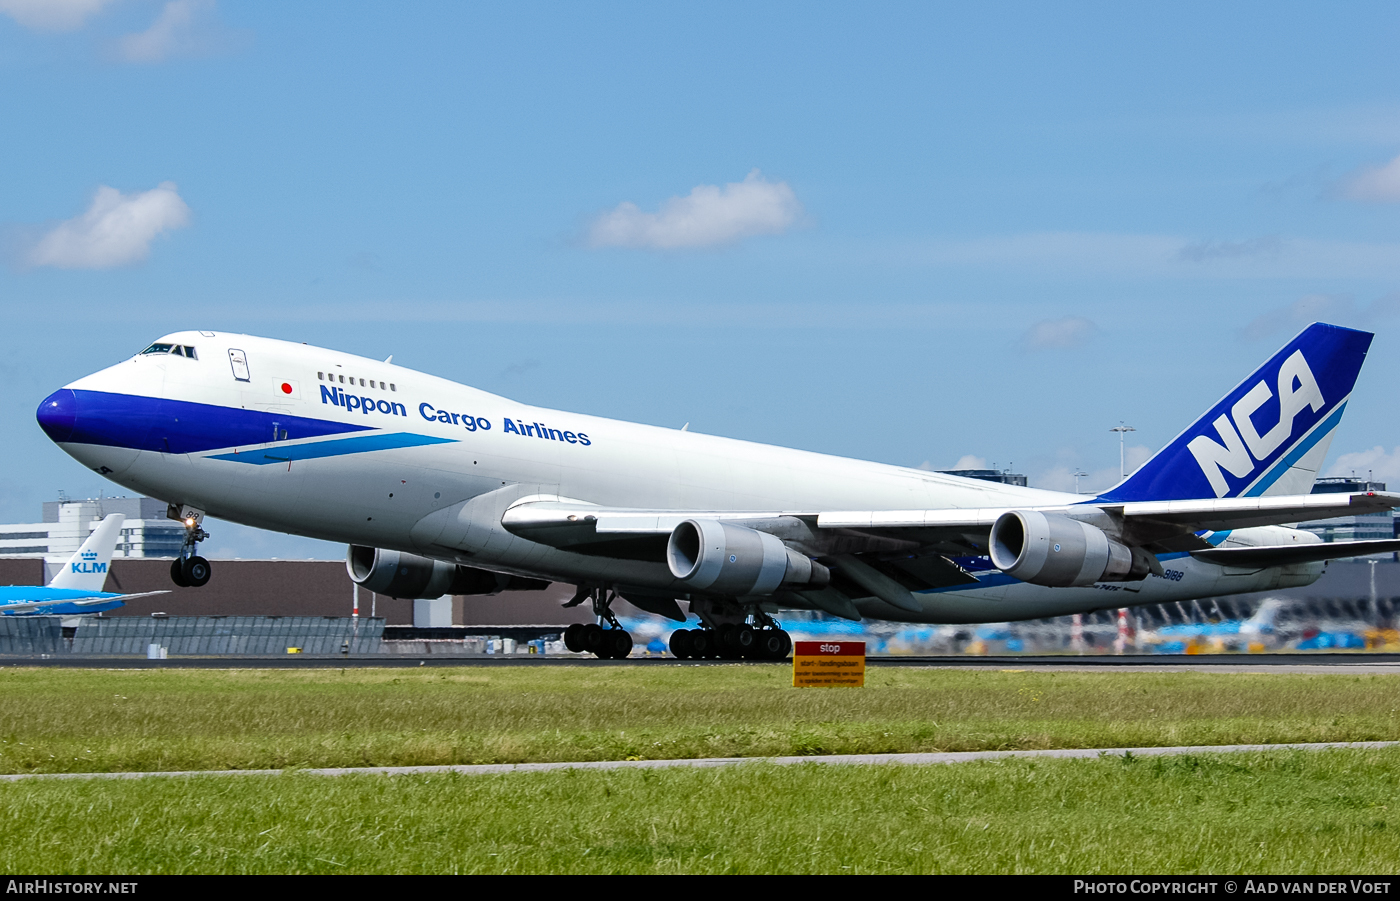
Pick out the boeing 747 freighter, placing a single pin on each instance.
(439, 488)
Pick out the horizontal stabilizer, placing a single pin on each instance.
(1296, 553)
(31, 606)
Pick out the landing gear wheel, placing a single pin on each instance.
(196, 571)
(746, 641)
(573, 637)
(682, 644)
(177, 573)
(618, 644)
(728, 644)
(786, 639)
(702, 643)
(593, 639)
(770, 645)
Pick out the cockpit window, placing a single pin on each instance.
(179, 350)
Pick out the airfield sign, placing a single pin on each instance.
(828, 663)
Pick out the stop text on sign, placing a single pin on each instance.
(819, 664)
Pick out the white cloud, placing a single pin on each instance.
(51, 15)
(708, 216)
(1157, 256)
(1376, 184)
(1209, 251)
(966, 461)
(1068, 331)
(184, 28)
(116, 230)
(1381, 466)
(1062, 478)
(1335, 308)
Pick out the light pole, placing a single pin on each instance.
(1122, 430)
(1077, 473)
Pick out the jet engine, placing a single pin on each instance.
(1046, 549)
(733, 560)
(401, 575)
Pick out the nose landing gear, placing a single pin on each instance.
(612, 643)
(189, 570)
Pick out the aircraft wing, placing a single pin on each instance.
(1164, 524)
(1297, 553)
(30, 606)
(1159, 525)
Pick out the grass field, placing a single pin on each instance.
(1276, 812)
(57, 720)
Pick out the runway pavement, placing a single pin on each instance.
(1278, 663)
(834, 759)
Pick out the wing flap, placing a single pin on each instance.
(1180, 517)
(1296, 553)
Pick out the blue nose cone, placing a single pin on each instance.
(58, 415)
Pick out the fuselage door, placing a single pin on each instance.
(239, 361)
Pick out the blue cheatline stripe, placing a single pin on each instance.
(1308, 443)
(262, 456)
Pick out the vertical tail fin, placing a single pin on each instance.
(1269, 435)
(87, 569)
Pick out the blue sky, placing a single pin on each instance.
(910, 233)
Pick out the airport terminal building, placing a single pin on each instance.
(67, 523)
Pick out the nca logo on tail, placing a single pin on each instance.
(88, 564)
(1243, 445)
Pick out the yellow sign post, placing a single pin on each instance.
(828, 663)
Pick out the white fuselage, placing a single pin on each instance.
(441, 491)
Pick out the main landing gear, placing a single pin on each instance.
(612, 643)
(731, 641)
(189, 570)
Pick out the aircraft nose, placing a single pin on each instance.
(58, 415)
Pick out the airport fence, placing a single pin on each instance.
(32, 635)
(234, 635)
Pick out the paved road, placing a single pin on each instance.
(1319, 662)
(837, 759)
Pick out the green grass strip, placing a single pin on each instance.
(55, 720)
(1303, 812)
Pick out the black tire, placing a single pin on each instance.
(177, 573)
(196, 571)
(682, 644)
(619, 644)
(746, 641)
(787, 645)
(593, 639)
(770, 645)
(728, 643)
(702, 644)
(573, 637)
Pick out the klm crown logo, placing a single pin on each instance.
(89, 564)
(1243, 444)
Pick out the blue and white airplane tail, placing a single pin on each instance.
(87, 569)
(1269, 435)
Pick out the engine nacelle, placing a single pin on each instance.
(401, 575)
(733, 560)
(1046, 549)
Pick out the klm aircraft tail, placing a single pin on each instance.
(87, 569)
(1268, 436)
